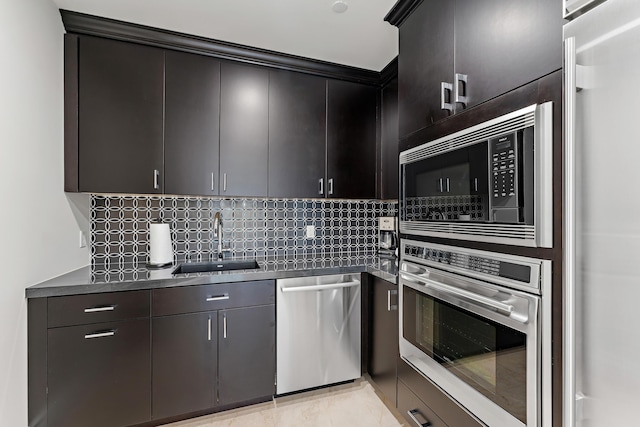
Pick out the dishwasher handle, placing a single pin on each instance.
(320, 287)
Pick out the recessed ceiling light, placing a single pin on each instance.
(339, 7)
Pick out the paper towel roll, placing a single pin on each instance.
(160, 251)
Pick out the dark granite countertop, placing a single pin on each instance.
(85, 280)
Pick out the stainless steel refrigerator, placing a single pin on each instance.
(602, 216)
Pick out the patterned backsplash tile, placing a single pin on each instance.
(252, 228)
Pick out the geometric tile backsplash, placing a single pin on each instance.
(252, 228)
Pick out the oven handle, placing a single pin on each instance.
(497, 305)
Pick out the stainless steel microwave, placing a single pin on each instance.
(492, 182)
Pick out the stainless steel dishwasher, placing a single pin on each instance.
(318, 331)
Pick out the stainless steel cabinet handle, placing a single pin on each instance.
(448, 185)
(389, 306)
(320, 287)
(441, 186)
(460, 98)
(100, 334)
(212, 182)
(444, 87)
(224, 182)
(321, 181)
(218, 297)
(224, 325)
(100, 309)
(414, 414)
(209, 329)
(475, 184)
(156, 179)
(330, 186)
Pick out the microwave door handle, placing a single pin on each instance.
(497, 305)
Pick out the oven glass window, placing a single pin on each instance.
(486, 355)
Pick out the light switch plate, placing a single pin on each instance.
(311, 232)
(82, 240)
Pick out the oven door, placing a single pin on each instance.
(476, 341)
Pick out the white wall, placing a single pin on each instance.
(38, 232)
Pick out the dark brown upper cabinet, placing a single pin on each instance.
(389, 142)
(192, 124)
(426, 44)
(244, 130)
(351, 140)
(297, 134)
(120, 117)
(458, 54)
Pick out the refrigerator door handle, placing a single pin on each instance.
(569, 235)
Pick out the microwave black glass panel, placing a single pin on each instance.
(490, 181)
(486, 355)
(446, 187)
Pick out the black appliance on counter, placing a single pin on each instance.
(491, 182)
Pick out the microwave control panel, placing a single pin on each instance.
(504, 170)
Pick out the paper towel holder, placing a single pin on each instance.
(160, 246)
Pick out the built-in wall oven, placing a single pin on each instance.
(491, 182)
(478, 325)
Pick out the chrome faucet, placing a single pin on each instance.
(217, 232)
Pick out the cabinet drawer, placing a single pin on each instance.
(410, 405)
(448, 409)
(191, 299)
(95, 308)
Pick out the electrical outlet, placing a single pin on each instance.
(311, 232)
(82, 240)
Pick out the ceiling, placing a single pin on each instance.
(358, 37)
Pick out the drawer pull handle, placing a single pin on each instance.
(100, 334)
(218, 298)
(100, 309)
(414, 414)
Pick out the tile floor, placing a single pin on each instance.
(352, 405)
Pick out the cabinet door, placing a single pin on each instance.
(425, 61)
(121, 88)
(351, 140)
(502, 45)
(184, 363)
(383, 342)
(389, 143)
(244, 130)
(192, 124)
(297, 129)
(247, 351)
(98, 374)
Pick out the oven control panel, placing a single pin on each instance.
(468, 262)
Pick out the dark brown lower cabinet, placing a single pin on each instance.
(98, 374)
(184, 366)
(247, 344)
(415, 411)
(383, 339)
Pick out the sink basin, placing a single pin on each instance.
(203, 267)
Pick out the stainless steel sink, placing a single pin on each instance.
(203, 267)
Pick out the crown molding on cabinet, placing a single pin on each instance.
(80, 23)
(401, 10)
(389, 72)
